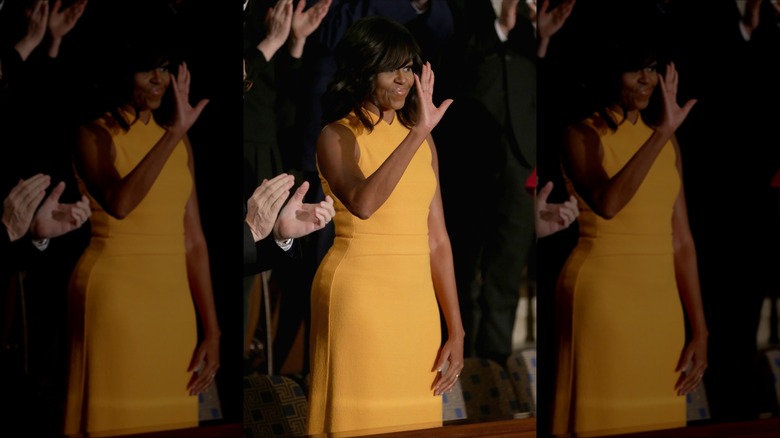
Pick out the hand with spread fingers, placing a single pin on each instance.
(306, 22)
(673, 115)
(551, 218)
(429, 113)
(62, 21)
(549, 21)
(298, 219)
(54, 219)
(186, 114)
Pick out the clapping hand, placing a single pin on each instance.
(298, 219)
(37, 17)
(265, 203)
(62, 21)
(19, 207)
(306, 22)
(54, 219)
(278, 21)
(550, 21)
(551, 218)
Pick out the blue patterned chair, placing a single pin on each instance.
(274, 406)
(697, 406)
(487, 391)
(773, 358)
(209, 407)
(453, 405)
(521, 366)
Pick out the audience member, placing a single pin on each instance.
(269, 114)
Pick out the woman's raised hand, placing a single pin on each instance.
(429, 114)
(186, 114)
(673, 115)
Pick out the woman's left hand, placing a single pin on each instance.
(691, 365)
(207, 354)
(428, 113)
(185, 114)
(452, 351)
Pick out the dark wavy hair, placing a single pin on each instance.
(136, 58)
(626, 56)
(371, 46)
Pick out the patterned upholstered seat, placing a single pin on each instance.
(773, 359)
(487, 390)
(521, 366)
(453, 405)
(209, 407)
(697, 406)
(274, 406)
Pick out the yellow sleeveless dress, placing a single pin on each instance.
(375, 320)
(131, 315)
(620, 319)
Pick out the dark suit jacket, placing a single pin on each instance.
(501, 77)
(264, 254)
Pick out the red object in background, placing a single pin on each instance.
(530, 183)
(776, 180)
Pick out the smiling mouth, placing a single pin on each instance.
(646, 92)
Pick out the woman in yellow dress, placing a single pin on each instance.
(136, 364)
(377, 359)
(623, 362)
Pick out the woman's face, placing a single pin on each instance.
(149, 87)
(637, 87)
(392, 87)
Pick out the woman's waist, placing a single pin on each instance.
(137, 244)
(626, 244)
(361, 244)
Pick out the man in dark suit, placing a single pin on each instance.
(489, 213)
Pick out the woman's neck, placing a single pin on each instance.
(630, 115)
(387, 115)
(143, 115)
